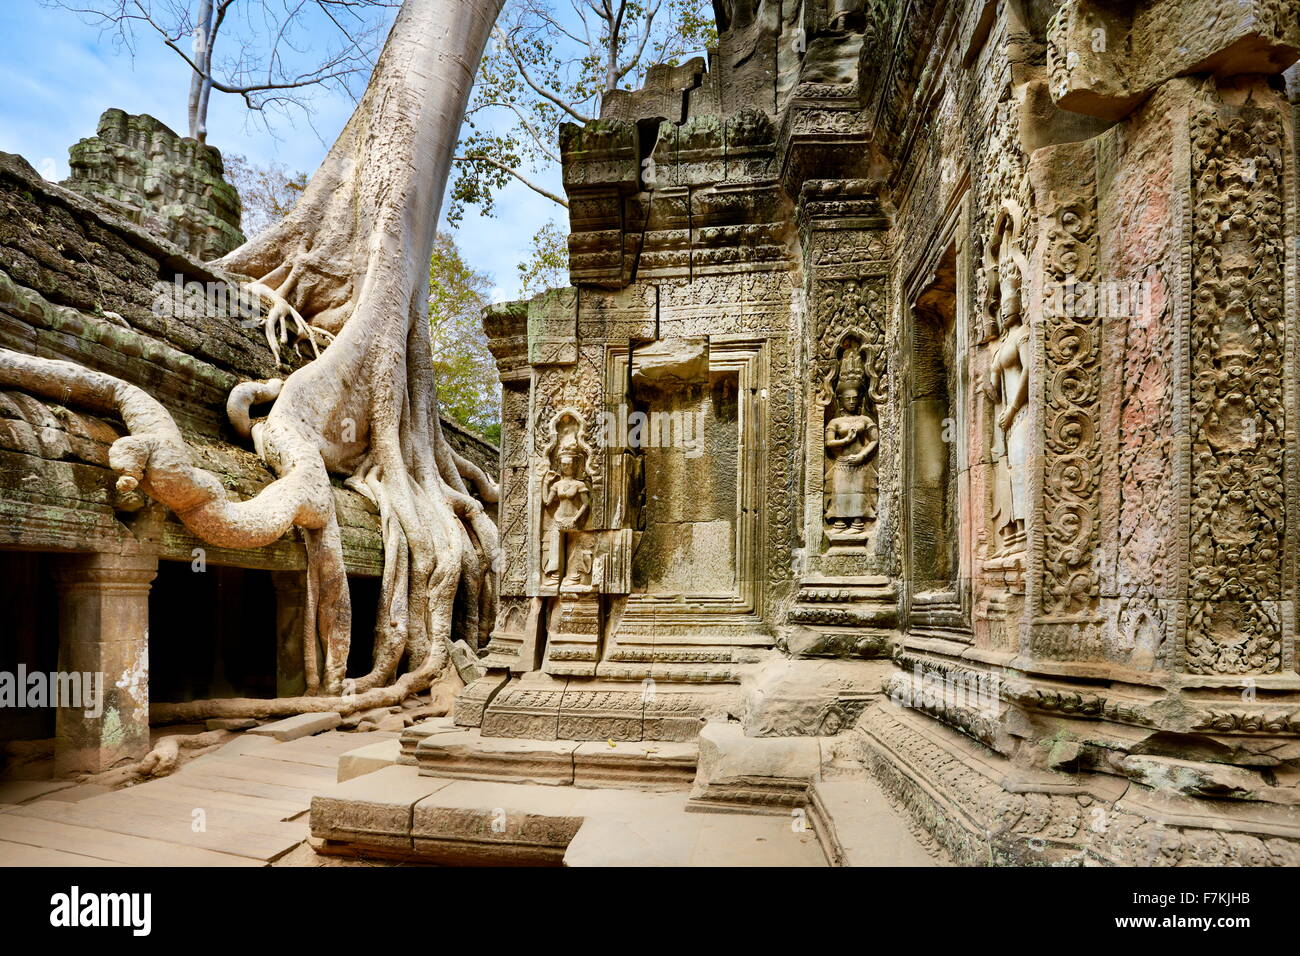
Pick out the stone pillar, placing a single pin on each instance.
(847, 603)
(104, 637)
(290, 604)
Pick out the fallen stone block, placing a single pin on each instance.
(752, 774)
(791, 698)
(293, 728)
(393, 723)
(467, 664)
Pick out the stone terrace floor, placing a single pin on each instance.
(247, 804)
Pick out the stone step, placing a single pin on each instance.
(444, 750)
(396, 813)
(857, 826)
(740, 774)
(369, 758)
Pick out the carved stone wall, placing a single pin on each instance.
(1148, 242)
(1241, 551)
(1007, 297)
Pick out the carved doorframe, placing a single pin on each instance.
(650, 628)
(948, 611)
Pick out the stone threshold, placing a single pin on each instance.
(439, 748)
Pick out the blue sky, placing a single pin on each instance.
(57, 75)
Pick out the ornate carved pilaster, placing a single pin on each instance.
(851, 431)
(1066, 387)
(1239, 573)
(507, 331)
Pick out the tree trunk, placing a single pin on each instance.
(201, 83)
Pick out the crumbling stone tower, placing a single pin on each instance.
(171, 185)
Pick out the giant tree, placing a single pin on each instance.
(351, 258)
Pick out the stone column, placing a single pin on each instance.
(104, 637)
(290, 604)
(848, 599)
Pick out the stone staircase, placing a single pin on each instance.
(448, 795)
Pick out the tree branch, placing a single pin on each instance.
(540, 190)
(640, 47)
(533, 132)
(536, 88)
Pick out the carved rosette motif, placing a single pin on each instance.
(1237, 413)
(1071, 395)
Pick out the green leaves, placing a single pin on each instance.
(547, 267)
(548, 65)
(468, 390)
(266, 193)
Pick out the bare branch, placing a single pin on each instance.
(270, 55)
(640, 47)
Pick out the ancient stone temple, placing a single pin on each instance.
(101, 581)
(924, 384)
(912, 457)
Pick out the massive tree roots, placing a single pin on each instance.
(349, 264)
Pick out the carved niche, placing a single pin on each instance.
(852, 391)
(852, 442)
(566, 491)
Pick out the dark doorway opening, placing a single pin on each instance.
(211, 633)
(934, 432)
(29, 635)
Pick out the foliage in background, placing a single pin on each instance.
(468, 389)
(547, 265)
(267, 193)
